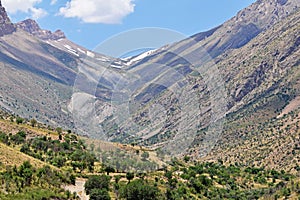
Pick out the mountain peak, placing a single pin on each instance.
(6, 27)
(32, 27)
(265, 13)
(29, 25)
(247, 24)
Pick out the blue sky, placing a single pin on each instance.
(90, 22)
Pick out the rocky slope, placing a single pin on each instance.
(262, 80)
(6, 27)
(33, 28)
(39, 69)
(190, 86)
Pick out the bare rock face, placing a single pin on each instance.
(58, 34)
(34, 29)
(6, 27)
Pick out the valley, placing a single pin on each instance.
(214, 116)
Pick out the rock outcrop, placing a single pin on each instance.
(34, 29)
(6, 27)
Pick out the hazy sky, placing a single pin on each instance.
(90, 22)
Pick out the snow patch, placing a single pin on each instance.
(116, 66)
(74, 53)
(71, 50)
(103, 59)
(48, 42)
(131, 60)
(90, 54)
(81, 51)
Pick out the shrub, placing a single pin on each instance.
(97, 182)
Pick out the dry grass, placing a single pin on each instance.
(11, 156)
(11, 127)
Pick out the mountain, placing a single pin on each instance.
(33, 28)
(203, 96)
(39, 69)
(261, 127)
(185, 90)
(6, 26)
(241, 103)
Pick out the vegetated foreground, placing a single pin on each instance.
(38, 162)
(256, 157)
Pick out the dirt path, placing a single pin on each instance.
(78, 188)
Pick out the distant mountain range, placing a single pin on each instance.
(213, 91)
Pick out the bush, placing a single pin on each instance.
(99, 194)
(97, 182)
(138, 189)
(19, 120)
(129, 176)
(4, 138)
(145, 155)
(19, 138)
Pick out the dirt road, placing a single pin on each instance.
(78, 188)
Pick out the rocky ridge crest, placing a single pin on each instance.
(32, 27)
(6, 26)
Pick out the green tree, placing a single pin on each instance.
(25, 148)
(19, 120)
(58, 161)
(145, 155)
(19, 138)
(117, 178)
(59, 130)
(4, 138)
(33, 122)
(129, 176)
(73, 179)
(26, 172)
(205, 180)
(138, 189)
(109, 169)
(168, 175)
(99, 194)
(97, 182)
(92, 147)
(286, 192)
(186, 159)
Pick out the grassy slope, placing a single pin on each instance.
(11, 156)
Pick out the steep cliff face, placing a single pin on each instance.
(34, 29)
(6, 27)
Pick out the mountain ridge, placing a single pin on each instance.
(80, 89)
(6, 26)
(178, 59)
(32, 27)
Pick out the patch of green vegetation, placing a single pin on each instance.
(196, 181)
(134, 175)
(38, 194)
(123, 160)
(68, 151)
(27, 182)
